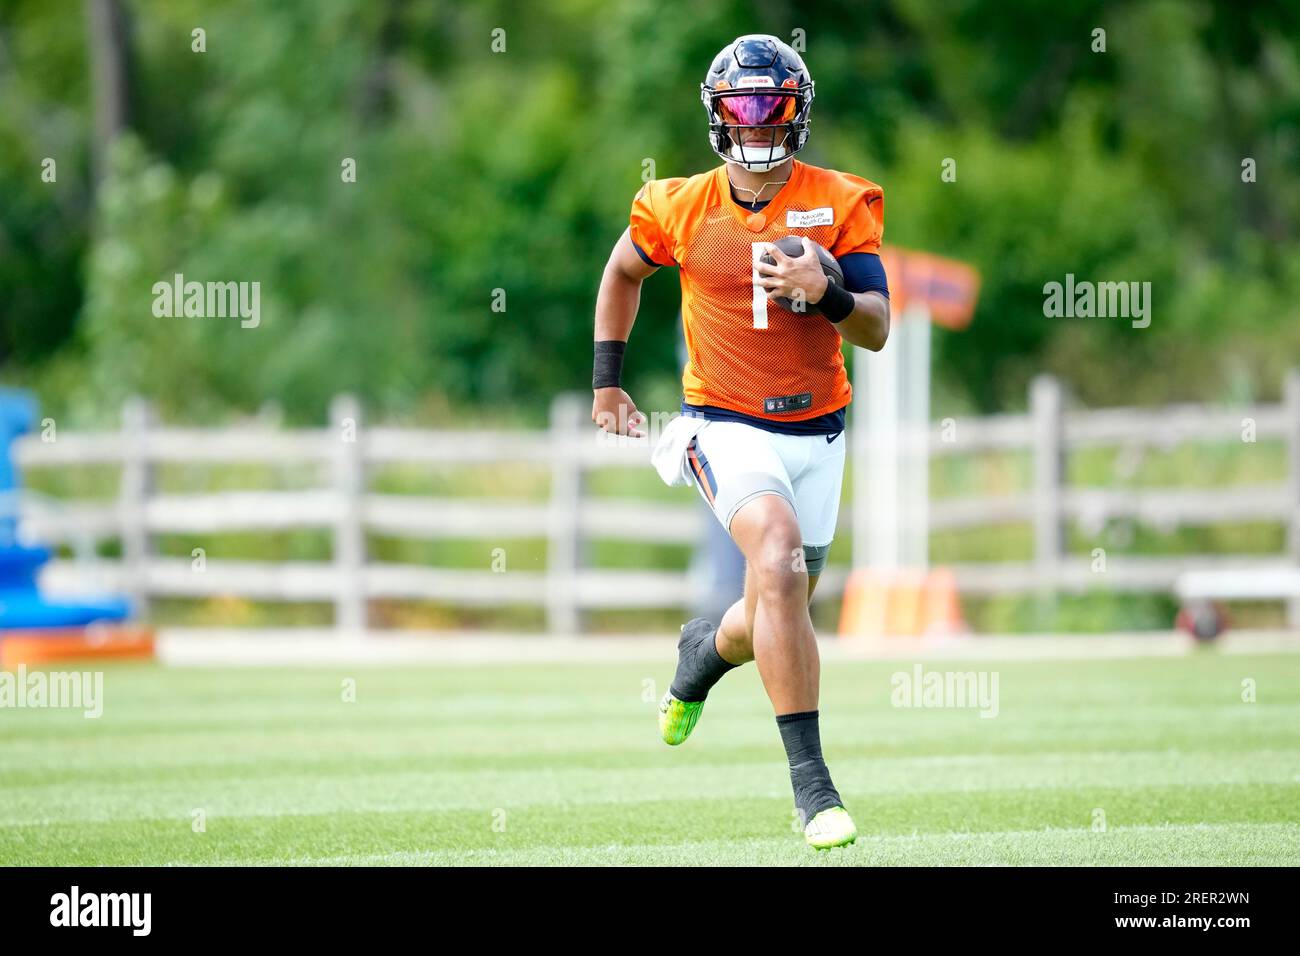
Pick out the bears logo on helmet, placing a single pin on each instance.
(758, 130)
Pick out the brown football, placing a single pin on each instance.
(793, 246)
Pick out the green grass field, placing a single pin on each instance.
(561, 764)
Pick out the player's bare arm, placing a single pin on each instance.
(867, 326)
(616, 306)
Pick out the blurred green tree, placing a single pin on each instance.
(499, 167)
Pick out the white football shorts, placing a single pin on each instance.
(732, 463)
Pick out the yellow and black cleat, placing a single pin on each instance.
(677, 718)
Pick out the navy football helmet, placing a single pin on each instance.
(758, 95)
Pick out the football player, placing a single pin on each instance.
(761, 433)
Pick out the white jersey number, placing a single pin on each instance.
(760, 294)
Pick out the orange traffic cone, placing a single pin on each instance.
(905, 603)
(862, 613)
(941, 613)
(903, 618)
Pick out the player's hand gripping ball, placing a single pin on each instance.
(794, 267)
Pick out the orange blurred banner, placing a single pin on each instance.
(947, 288)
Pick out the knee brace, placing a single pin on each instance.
(814, 558)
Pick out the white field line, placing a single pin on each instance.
(300, 793)
(616, 853)
(306, 646)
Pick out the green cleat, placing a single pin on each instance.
(830, 828)
(677, 718)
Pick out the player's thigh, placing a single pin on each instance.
(732, 464)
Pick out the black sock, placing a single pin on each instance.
(813, 790)
(699, 665)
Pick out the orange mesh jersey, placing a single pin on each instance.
(743, 348)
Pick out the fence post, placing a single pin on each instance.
(1291, 400)
(564, 537)
(136, 486)
(1045, 406)
(349, 476)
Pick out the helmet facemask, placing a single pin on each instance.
(757, 127)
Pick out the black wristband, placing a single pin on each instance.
(607, 364)
(836, 303)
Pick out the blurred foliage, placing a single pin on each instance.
(481, 170)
